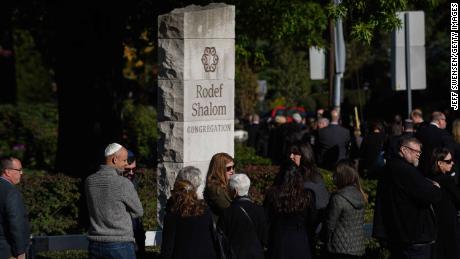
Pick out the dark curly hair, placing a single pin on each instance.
(184, 200)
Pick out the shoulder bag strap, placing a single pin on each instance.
(252, 222)
(247, 215)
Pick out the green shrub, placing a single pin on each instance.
(262, 177)
(52, 202)
(148, 195)
(327, 176)
(370, 188)
(33, 78)
(245, 156)
(29, 132)
(140, 130)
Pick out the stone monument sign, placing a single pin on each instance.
(196, 54)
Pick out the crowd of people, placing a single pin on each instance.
(415, 216)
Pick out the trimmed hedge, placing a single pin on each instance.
(147, 193)
(52, 202)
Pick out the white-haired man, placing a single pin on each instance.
(244, 222)
(112, 201)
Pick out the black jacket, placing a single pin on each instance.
(247, 238)
(371, 147)
(187, 237)
(332, 145)
(403, 211)
(14, 223)
(448, 235)
(290, 233)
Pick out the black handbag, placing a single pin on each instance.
(223, 248)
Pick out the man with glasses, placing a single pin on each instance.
(14, 222)
(138, 227)
(434, 136)
(403, 215)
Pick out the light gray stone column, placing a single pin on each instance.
(196, 54)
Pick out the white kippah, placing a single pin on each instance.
(112, 149)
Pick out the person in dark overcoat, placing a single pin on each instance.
(302, 157)
(291, 214)
(244, 222)
(187, 227)
(333, 142)
(448, 234)
(433, 136)
(403, 215)
(371, 150)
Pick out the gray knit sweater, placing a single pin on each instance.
(112, 201)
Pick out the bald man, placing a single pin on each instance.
(333, 142)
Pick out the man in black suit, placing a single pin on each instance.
(417, 117)
(433, 136)
(333, 142)
(14, 227)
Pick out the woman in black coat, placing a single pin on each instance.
(291, 216)
(187, 226)
(244, 222)
(448, 234)
(301, 156)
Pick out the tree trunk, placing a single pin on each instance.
(88, 45)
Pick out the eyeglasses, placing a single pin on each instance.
(19, 170)
(448, 161)
(230, 168)
(130, 170)
(415, 150)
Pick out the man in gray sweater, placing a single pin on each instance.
(112, 201)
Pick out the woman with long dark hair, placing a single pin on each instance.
(301, 156)
(187, 225)
(291, 215)
(448, 234)
(345, 218)
(216, 192)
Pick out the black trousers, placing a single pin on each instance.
(418, 251)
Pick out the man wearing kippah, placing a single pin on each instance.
(112, 201)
